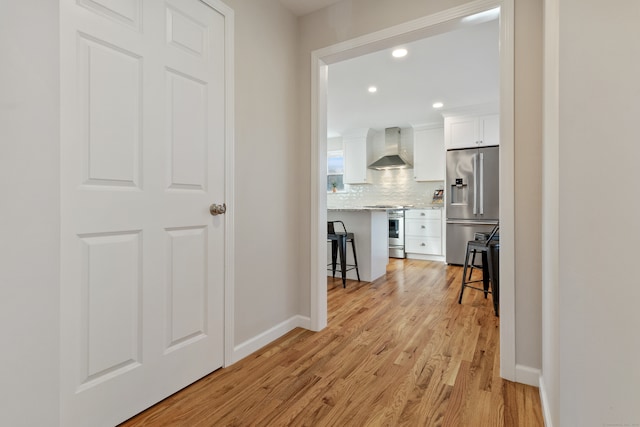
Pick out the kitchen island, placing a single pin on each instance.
(370, 228)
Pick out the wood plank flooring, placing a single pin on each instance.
(398, 351)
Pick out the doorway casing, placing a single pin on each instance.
(410, 31)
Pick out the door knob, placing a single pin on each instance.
(218, 209)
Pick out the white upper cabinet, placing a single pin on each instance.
(489, 129)
(355, 161)
(428, 153)
(356, 157)
(471, 131)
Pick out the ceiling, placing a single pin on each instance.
(302, 7)
(459, 68)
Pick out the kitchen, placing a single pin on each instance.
(435, 97)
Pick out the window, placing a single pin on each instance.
(335, 171)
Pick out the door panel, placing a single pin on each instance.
(464, 132)
(460, 199)
(491, 183)
(111, 310)
(187, 285)
(126, 12)
(186, 33)
(187, 132)
(142, 260)
(490, 129)
(109, 80)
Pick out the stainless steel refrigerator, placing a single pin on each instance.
(471, 194)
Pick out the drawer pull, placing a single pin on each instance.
(422, 226)
(423, 244)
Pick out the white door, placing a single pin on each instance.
(143, 157)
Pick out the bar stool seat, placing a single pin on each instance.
(483, 237)
(489, 281)
(339, 241)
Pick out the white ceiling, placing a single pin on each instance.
(302, 7)
(459, 68)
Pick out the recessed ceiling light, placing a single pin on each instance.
(373, 89)
(399, 53)
(438, 105)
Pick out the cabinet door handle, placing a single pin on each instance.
(422, 226)
(423, 244)
(481, 183)
(475, 184)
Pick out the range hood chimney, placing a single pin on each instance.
(392, 158)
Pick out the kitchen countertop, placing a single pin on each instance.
(428, 206)
(357, 209)
(369, 208)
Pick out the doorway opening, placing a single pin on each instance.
(431, 25)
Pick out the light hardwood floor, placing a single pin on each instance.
(398, 351)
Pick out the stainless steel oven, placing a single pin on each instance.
(396, 233)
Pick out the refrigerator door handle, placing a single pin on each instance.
(475, 184)
(481, 183)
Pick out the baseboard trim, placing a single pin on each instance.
(256, 343)
(544, 401)
(439, 258)
(528, 375)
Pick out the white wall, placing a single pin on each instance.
(599, 342)
(267, 184)
(352, 18)
(29, 213)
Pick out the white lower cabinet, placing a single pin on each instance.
(423, 232)
(424, 245)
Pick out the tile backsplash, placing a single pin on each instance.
(390, 187)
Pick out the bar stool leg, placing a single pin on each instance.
(471, 267)
(343, 259)
(486, 273)
(495, 292)
(355, 258)
(464, 275)
(334, 254)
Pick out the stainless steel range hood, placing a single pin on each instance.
(392, 158)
